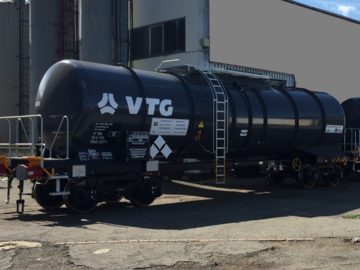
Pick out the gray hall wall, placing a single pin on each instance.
(322, 51)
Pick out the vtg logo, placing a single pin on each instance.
(107, 97)
(165, 107)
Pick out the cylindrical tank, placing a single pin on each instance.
(9, 66)
(95, 31)
(352, 113)
(103, 100)
(43, 42)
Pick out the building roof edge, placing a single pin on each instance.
(322, 11)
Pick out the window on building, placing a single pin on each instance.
(160, 39)
(156, 39)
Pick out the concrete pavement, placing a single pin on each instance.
(241, 210)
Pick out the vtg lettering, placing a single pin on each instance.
(165, 107)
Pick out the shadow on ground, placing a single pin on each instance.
(183, 207)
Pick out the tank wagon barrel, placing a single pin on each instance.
(261, 120)
(128, 128)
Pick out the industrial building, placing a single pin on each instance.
(290, 42)
(272, 37)
(38, 33)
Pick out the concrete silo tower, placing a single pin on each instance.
(9, 64)
(43, 42)
(96, 31)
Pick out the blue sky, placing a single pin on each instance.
(348, 8)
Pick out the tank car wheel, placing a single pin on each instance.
(78, 200)
(113, 198)
(306, 179)
(275, 179)
(42, 197)
(140, 195)
(332, 180)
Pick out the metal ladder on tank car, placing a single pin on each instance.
(220, 104)
(220, 118)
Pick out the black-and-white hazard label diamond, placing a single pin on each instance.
(160, 146)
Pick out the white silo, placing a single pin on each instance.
(44, 39)
(95, 31)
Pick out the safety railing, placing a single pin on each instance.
(174, 64)
(30, 138)
(353, 143)
(30, 141)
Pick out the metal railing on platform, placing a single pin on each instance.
(31, 144)
(354, 144)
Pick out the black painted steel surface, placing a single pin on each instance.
(351, 108)
(352, 114)
(103, 103)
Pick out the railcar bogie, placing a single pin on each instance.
(85, 194)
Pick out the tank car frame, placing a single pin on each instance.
(81, 176)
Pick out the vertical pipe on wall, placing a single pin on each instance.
(115, 32)
(130, 33)
(20, 54)
(59, 30)
(76, 32)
